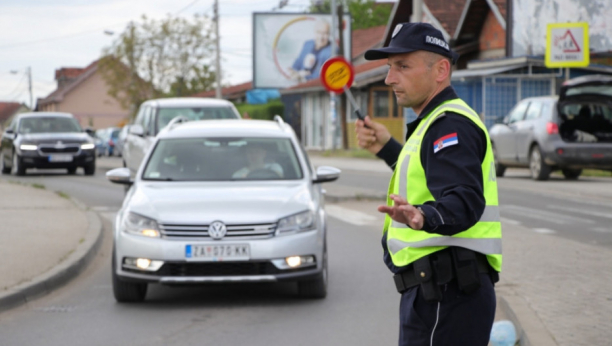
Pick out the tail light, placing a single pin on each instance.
(552, 128)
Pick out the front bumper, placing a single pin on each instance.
(260, 267)
(37, 159)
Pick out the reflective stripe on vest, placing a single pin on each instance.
(409, 181)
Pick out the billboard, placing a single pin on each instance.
(290, 48)
(530, 19)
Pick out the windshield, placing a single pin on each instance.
(223, 158)
(195, 113)
(48, 125)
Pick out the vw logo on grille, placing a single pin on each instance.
(217, 230)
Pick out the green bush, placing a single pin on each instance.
(263, 112)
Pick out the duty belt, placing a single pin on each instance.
(416, 273)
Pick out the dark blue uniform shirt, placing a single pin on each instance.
(454, 173)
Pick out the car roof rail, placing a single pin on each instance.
(176, 120)
(281, 123)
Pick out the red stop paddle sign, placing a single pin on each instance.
(337, 74)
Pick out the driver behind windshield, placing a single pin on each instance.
(256, 155)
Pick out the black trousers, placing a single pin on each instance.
(458, 320)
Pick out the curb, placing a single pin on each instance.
(62, 273)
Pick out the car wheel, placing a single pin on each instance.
(499, 168)
(539, 169)
(316, 288)
(124, 291)
(571, 174)
(90, 169)
(18, 168)
(72, 170)
(5, 170)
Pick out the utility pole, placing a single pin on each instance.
(218, 50)
(343, 108)
(332, 96)
(30, 87)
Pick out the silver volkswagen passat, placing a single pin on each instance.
(222, 201)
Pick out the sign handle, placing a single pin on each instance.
(349, 95)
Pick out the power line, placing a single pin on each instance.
(186, 7)
(16, 88)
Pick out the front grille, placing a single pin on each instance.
(249, 231)
(191, 269)
(67, 149)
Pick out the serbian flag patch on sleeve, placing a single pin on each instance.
(445, 141)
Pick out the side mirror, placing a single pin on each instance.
(136, 129)
(90, 132)
(326, 174)
(9, 131)
(120, 176)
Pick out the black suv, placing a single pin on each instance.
(46, 140)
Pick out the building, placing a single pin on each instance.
(8, 110)
(84, 93)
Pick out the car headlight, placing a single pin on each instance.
(140, 225)
(87, 146)
(28, 147)
(303, 221)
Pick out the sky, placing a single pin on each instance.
(46, 35)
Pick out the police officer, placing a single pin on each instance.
(442, 233)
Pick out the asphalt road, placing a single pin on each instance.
(360, 308)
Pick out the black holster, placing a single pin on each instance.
(466, 269)
(424, 274)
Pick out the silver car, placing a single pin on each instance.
(154, 115)
(222, 202)
(569, 133)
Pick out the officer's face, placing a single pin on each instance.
(411, 77)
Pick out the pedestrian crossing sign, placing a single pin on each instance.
(567, 45)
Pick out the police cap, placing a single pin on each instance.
(410, 37)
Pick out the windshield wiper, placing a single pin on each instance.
(161, 179)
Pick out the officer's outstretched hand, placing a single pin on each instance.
(403, 212)
(371, 135)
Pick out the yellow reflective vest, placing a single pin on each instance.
(406, 245)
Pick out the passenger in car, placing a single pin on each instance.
(256, 156)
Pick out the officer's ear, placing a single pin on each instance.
(442, 67)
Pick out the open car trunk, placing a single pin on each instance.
(585, 110)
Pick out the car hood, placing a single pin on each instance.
(69, 137)
(229, 202)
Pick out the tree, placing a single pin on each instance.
(364, 13)
(159, 58)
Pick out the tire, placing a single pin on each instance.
(124, 291)
(539, 169)
(5, 170)
(72, 170)
(571, 174)
(90, 169)
(499, 168)
(18, 168)
(316, 288)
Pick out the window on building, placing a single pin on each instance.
(384, 103)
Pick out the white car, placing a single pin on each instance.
(222, 201)
(154, 115)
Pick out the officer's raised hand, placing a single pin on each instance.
(403, 212)
(371, 135)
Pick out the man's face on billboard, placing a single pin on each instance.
(321, 34)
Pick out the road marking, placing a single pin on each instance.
(544, 231)
(510, 221)
(544, 215)
(580, 211)
(348, 215)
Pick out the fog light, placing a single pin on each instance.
(142, 264)
(294, 261)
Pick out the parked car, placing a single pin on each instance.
(120, 142)
(154, 115)
(570, 132)
(222, 201)
(46, 140)
(101, 142)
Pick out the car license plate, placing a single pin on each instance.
(60, 158)
(218, 252)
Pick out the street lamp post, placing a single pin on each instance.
(29, 73)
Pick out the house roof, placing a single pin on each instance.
(60, 92)
(227, 91)
(364, 39)
(7, 109)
